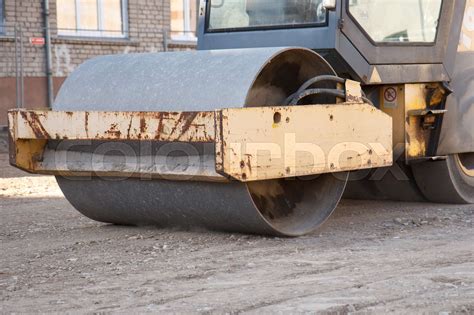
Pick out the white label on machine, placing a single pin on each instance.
(390, 96)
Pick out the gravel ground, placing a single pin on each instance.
(370, 257)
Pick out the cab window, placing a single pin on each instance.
(241, 14)
(398, 21)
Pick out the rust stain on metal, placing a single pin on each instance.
(249, 162)
(187, 119)
(113, 131)
(86, 122)
(161, 126)
(354, 99)
(159, 130)
(143, 125)
(35, 125)
(129, 127)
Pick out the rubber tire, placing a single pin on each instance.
(388, 187)
(444, 181)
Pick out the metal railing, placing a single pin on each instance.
(14, 33)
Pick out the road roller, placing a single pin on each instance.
(286, 107)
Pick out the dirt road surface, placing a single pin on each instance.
(370, 257)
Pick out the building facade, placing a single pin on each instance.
(80, 30)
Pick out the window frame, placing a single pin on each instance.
(258, 28)
(187, 34)
(99, 33)
(381, 44)
(421, 55)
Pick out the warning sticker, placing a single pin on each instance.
(390, 96)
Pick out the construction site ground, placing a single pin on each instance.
(370, 257)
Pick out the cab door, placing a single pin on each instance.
(404, 32)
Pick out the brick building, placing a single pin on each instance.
(80, 29)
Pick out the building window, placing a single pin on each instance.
(2, 16)
(92, 18)
(184, 19)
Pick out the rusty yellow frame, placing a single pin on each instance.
(257, 143)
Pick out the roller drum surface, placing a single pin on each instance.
(200, 81)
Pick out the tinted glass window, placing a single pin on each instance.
(398, 20)
(232, 14)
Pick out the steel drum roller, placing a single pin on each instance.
(200, 81)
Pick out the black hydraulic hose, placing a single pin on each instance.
(320, 78)
(366, 100)
(302, 92)
(333, 92)
(312, 81)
